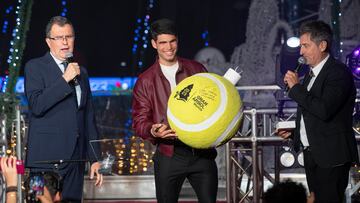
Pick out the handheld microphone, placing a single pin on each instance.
(69, 58)
(301, 61)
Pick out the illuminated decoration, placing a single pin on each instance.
(141, 33)
(130, 153)
(100, 86)
(205, 110)
(335, 22)
(64, 9)
(23, 12)
(353, 62)
(6, 22)
(260, 47)
(8, 99)
(205, 37)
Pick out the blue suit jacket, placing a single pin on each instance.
(56, 124)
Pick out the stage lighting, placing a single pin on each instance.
(288, 60)
(293, 42)
(300, 159)
(287, 158)
(353, 62)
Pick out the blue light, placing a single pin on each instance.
(353, 62)
(141, 33)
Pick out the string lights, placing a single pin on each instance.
(6, 22)
(64, 8)
(335, 22)
(205, 37)
(141, 33)
(8, 99)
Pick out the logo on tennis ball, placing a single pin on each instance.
(184, 93)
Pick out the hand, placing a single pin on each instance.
(291, 78)
(311, 198)
(9, 171)
(72, 70)
(95, 170)
(160, 130)
(46, 197)
(285, 134)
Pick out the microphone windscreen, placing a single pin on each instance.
(69, 57)
(301, 60)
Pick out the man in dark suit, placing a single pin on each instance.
(324, 115)
(61, 122)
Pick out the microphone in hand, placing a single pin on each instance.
(69, 58)
(301, 61)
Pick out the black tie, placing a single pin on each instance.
(65, 64)
(311, 74)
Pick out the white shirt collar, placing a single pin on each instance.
(316, 70)
(57, 61)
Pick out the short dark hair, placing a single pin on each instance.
(162, 26)
(53, 183)
(58, 20)
(287, 191)
(319, 31)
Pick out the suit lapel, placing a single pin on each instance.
(322, 75)
(54, 68)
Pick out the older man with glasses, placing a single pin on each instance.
(61, 116)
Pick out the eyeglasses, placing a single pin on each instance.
(62, 38)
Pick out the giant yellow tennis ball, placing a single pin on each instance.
(205, 110)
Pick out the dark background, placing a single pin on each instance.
(105, 30)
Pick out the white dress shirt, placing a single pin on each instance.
(316, 70)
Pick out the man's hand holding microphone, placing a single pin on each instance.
(71, 72)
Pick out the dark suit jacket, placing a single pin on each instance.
(327, 110)
(56, 124)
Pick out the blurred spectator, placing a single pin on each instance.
(52, 186)
(287, 191)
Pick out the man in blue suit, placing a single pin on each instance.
(61, 122)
